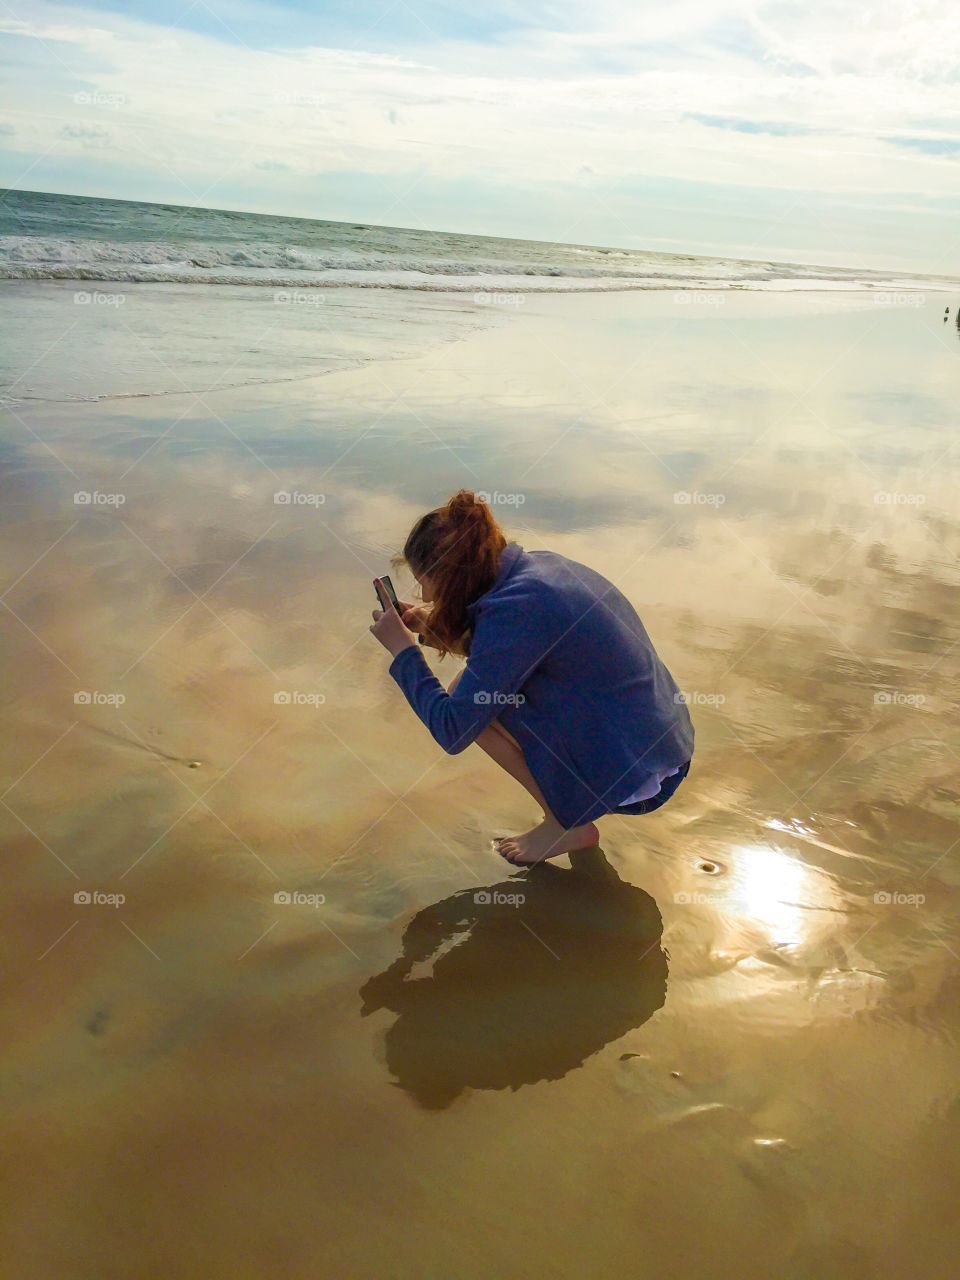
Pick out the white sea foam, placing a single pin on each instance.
(290, 266)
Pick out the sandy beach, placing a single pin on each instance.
(301, 1020)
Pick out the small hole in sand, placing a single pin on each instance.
(709, 868)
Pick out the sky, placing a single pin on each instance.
(818, 132)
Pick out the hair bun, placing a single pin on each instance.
(463, 501)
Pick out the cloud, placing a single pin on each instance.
(778, 130)
(86, 136)
(527, 110)
(949, 147)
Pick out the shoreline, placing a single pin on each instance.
(415, 282)
(129, 345)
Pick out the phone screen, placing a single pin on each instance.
(388, 588)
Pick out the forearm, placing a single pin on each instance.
(452, 723)
(506, 647)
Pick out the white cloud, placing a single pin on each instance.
(532, 112)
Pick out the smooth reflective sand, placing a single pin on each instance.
(725, 1045)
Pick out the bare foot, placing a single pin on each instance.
(547, 840)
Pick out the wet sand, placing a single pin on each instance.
(725, 1044)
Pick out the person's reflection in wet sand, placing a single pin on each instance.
(520, 991)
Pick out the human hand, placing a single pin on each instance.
(388, 626)
(416, 616)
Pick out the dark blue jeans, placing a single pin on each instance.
(663, 795)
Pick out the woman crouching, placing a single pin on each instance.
(562, 688)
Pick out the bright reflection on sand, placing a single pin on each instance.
(777, 892)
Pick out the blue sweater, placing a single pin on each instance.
(560, 656)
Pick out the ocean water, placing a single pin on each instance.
(58, 237)
(112, 299)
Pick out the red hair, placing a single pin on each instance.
(459, 546)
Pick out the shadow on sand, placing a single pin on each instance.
(520, 991)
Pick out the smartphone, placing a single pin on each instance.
(388, 589)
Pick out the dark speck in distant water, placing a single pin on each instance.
(97, 1025)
